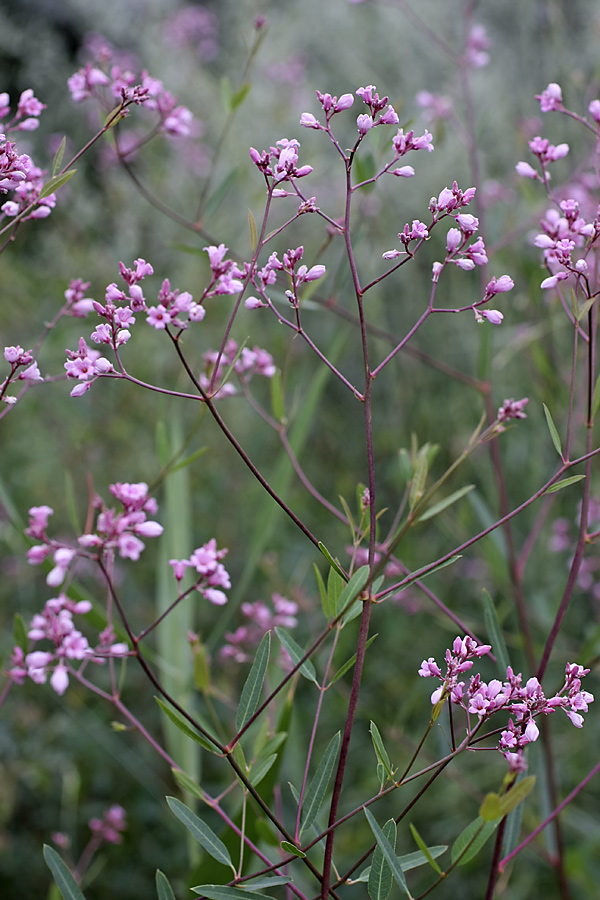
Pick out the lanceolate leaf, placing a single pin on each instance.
(553, 431)
(291, 848)
(57, 181)
(332, 562)
(205, 836)
(380, 876)
(65, 882)
(511, 799)
(353, 588)
(349, 663)
(163, 888)
(295, 652)
(380, 751)
(388, 852)
(559, 485)
(471, 840)
(444, 504)
(425, 850)
(253, 687)
(184, 726)
(226, 892)
(317, 788)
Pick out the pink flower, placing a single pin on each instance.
(551, 98)
(364, 123)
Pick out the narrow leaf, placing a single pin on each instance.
(164, 890)
(57, 181)
(291, 848)
(332, 562)
(188, 784)
(184, 726)
(349, 663)
(58, 156)
(490, 809)
(353, 588)
(495, 634)
(380, 751)
(329, 612)
(559, 485)
(422, 573)
(114, 116)
(388, 852)
(471, 840)
(240, 95)
(416, 859)
(444, 504)
(65, 882)
(516, 794)
(277, 400)
(553, 431)
(205, 836)
(260, 769)
(348, 514)
(253, 687)
(425, 851)
(315, 793)
(335, 586)
(419, 478)
(295, 652)
(227, 892)
(585, 307)
(380, 876)
(253, 231)
(263, 881)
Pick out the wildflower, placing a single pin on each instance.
(551, 98)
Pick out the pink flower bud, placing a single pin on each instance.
(364, 123)
(493, 316)
(525, 170)
(345, 102)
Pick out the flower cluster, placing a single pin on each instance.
(331, 106)
(512, 409)
(116, 531)
(17, 171)
(108, 829)
(523, 702)
(212, 575)
(242, 642)
(22, 367)
(376, 105)
(297, 275)
(280, 163)
(105, 80)
(546, 153)
(55, 624)
(560, 236)
(244, 364)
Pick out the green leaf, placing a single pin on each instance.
(422, 573)
(381, 752)
(380, 876)
(553, 431)
(188, 460)
(348, 514)
(425, 851)
(315, 793)
(188, 784)
(332, 562)
(353, 588)
(240, 95)
(351, 613)
(495, 634)
(205, 836)
(254, 683)
(20, 632)
(164, 890)
(418, 858)
(417, 485)
(291, 848)
(260, 769)
(327, 609)
(219, 195)
(335, 586)
(178, 720)
(253, 231)
(444, 504)
(388, 852)
(596, 398)
(114, 116)
(263, 881)
(471, 840)
(55, 182)
(490, 809)
(58, 156)
(585, 307)
(226, 892)
(65, 882)
(295, 652)
(225, 86)
(349, 663)
(517, 793)
(277, 399)
(559, 485)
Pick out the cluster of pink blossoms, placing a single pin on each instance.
(55, 624)
(524, 703)
(241, 643)
(244, 364)
(213, 576)
(116, 531)
(297, 275)
(17, 171)
(22, 367)
(104, 79)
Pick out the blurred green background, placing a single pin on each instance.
(61, 760)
